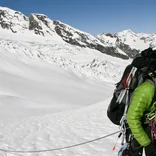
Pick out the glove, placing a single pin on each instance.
(150, 149)
(123, 150)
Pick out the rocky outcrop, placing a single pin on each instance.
(128, 50)
(112, 35)
(72, 36)
(35, 25)
(12, 20)
(129, 42)
(113, 52)
(119, 43)
(69, 35)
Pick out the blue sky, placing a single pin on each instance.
(94, 16)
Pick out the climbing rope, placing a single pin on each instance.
(59, 148)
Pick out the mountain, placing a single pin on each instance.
(125, 44)
(129, 42)
(41, 25)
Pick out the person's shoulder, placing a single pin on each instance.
(148, 85)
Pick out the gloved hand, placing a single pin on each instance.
(123, 150)
(150, 149)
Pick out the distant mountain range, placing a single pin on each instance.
(125, 44)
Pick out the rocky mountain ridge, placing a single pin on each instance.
(118, 44)
(129, 42)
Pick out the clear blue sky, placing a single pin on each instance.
(94, 16)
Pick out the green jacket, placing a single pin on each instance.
(141, 102)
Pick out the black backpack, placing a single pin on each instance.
(142, 67)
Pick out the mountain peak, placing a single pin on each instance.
(128, 31)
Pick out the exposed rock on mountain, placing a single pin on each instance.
(129, 42)
(76, 37)
(12, 20)
(124, 44)
(40, 24)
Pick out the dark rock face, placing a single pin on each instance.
(127, 49)
(84, 40)
(112, 35)
(34, 25)
(4, 24)
(112, 51)
(61, 31)
(68, 35)
(43, 18)
(131, 53)
(6, 20)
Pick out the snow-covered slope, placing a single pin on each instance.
(28, 86)
(69, 57)
(44, 106)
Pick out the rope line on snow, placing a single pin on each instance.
(59, 148)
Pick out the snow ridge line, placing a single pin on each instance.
(60, 148)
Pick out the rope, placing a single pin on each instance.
(59, 148)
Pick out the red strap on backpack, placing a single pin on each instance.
(125, 80)
(153, 129)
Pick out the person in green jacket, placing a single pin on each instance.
(141, 104)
